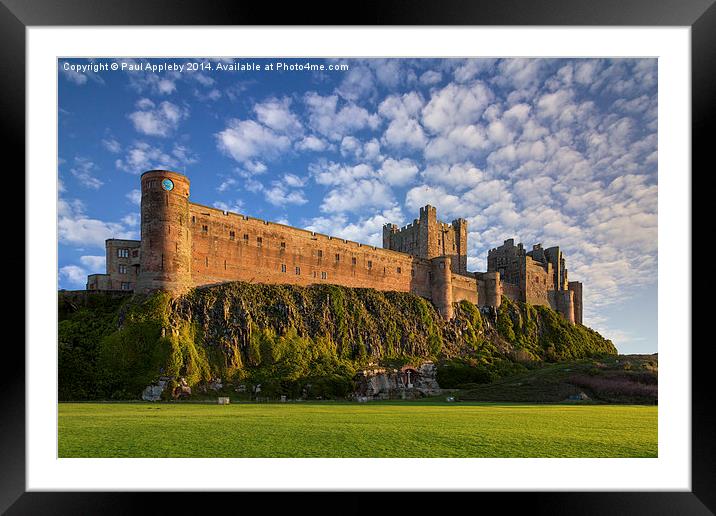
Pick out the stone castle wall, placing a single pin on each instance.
(184, 245)
(230, 247)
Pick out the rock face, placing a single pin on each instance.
(154, 392)
(408, 382)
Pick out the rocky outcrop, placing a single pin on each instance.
(408, 382)
(154, 392)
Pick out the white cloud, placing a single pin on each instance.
(247, 139)
(226, 184)
(112, 145)
(236, 206)
(294, 181)
(398, 172)
(404, 132)
(361, 151)
(276, 114)
(95, 264)
(367, 230)
(160, 120)
(326, 118)
(83, 169)
(431, 77)
(456, 105)
(75, 276)
(360, 195)
(457, 177)
(445, 203)
(131, 219)
(142, 156)
(312, 143)
(134, 196)
(473, 67)
(280, 195)
(338, 174)
(76, 228)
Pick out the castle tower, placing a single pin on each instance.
(166, 233)
(427, 233)
(459, 264)
(576, 287)
(441, 285)
(388, 231)
(493, 289)
(564, 303)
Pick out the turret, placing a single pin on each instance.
(166, 233)
(441, 285)
(565, 303)
(576, 287)
(388, 231)
(460, 229)
(493, 290)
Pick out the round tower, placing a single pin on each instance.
(441, 285)
(165, 259)
(493, 290)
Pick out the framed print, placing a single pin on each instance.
(253, 165)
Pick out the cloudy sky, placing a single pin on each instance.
(552, 151)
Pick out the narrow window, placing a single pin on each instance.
(246, 239)
(125, 286)
(224, 264)
(232, 235)
(283, 267)
(314, 274)
(399, 270)
(353, 260)
(259, 241)
(283, 246)
(324, 275)
(320, 254)
(122, 269)
(370, 264)
(298, 271)
(193, 219)
(205, 229)
(338, 257)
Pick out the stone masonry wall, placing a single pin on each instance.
(231, 247)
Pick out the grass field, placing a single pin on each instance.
(376, 429)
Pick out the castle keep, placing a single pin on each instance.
(184, 245)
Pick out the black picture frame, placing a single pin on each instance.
(17, 15)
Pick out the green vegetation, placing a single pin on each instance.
(628, 379)
(298, 341)
(376, 429)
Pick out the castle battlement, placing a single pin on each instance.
(185, 245)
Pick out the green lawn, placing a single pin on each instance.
(374, 429)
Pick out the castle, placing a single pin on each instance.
(184, 245)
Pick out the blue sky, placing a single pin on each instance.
(552, 151)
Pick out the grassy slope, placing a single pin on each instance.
(615, 379)
(356, 430)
